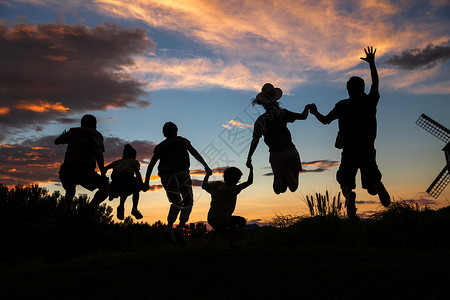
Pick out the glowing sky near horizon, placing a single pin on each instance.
(137, 64)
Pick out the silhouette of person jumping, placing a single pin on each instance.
(356, 137)
(84, 150)
(124, 183)
(173, 169)
(223, 203)
(284, 158)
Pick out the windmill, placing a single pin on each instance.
(442, 133)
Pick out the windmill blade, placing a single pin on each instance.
(434, 128)
(440, 183)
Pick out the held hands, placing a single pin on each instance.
(370, 54)
(312, 108)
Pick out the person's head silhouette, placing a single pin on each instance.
(355, 86)
(129, 152)
(232, 175)
(268, 97)
(89, 121)
(170, 129)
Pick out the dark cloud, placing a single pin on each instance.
(367, 202)
(38, 160)
(417, 58)
(259, 222)
(424, 199)
(155, 187)
(316, 166)
(196, 182)
(49, 71)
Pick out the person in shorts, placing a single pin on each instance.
(84, 152)
(356, 137)
(124, 182)
(284, 158)
(223, 203)
(173, 169)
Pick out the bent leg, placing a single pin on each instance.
(101, 194)
(170, 184)
(279, 184)
(346, 177)
(188, 198)
(371, 179)
(292, 181)
(68, 199)
(239, 228)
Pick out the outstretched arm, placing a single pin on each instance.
(252, 149)
(322, 119)
(304, 114)
(100, 162)
(138, 173)
(198, 157)
(370, 58)
(249, 179)
(150, 167)
(205, 181)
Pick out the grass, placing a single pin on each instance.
(402, 252)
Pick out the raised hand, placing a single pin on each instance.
(370, 54)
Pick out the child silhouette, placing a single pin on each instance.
(223, 203)
(124, 183)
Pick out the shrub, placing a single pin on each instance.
(322, 205)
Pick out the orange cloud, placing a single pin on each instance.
(321, 164)
(281, 43)
(38, 160)
(4, 111)
(40, 106)
(154, 177)
(237, 124)
(59, 58)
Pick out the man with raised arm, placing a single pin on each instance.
(356, 137)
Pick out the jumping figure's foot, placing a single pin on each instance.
(350, 202)
(383, 194)
(179, 234)
(137, 214)
(168, 233)
(120, 212)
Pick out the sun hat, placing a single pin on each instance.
(269, 92)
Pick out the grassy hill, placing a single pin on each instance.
(403, 252)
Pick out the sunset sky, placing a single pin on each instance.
(138, 64)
